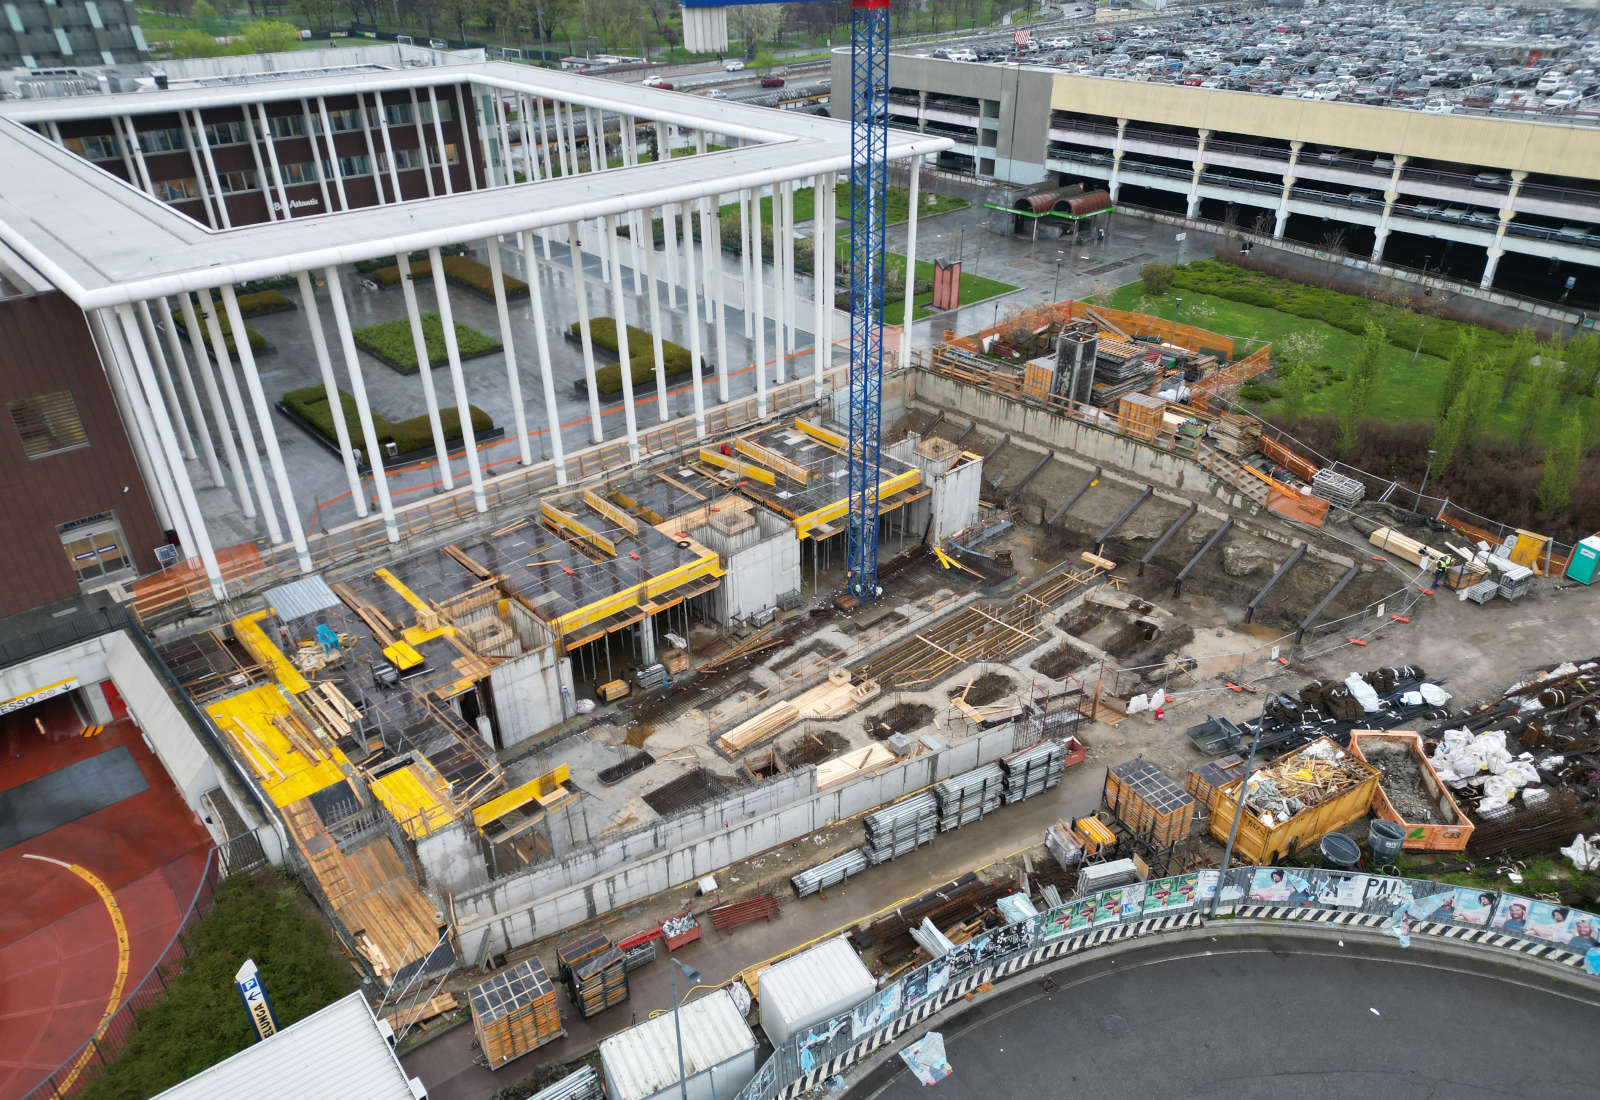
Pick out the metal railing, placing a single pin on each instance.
(113, 1034)
(1402, 907)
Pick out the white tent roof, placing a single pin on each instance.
(643, 1060)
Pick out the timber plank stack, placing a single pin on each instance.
(1150, 804)
(595, 974)
(1236, 435)
(515, 1012)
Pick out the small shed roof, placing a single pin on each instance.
(643, 1060)
(814, 984)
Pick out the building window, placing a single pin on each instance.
(304, 172)
(450, 154)
(398, 114)
(355, 166)
(95, 546)
(178, 190)
(235, 182)
(343, 121)
(225, 133)
(444, 111)
(162, 141)
(287, 126)
(99, 147)
(407, 159)
(48, 424)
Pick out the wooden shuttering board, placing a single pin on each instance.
(772, 460)
(569, 526)
(515, 1011)
(611, 512)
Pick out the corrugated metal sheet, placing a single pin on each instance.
(336, 1051)
(819, 982)
(306, 596)
(643, 1060)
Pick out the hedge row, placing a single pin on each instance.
(367, 267)
(415, 434)
(1345, 311)
(675, 358)
(258, 342)
(391, 342)
(462, 270)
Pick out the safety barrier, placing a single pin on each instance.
(1403, 907)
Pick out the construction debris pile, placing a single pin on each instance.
(1402, 783)
(1293, 784)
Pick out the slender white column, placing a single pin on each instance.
(272, 160)
(211, 169)
(507, 171)
(543, 148)
(461, 128)
(127, 141)
(419, 344)
(669, 228)
(358, 390)
(538, 154)
(261, 169)
(653, 290)
(780, 303)
(438, 134)
(197, 344)
(458, 380)
(196, 413)
(330, 387)
(911, 264)
(636, 234)
(580, 291)
(192, 533)
(744, 262)
(819, 292)
(513, 379)
(104, 330)
(620, 314)
(316, 155)
(388, 148)
(830, 241)
(241, 419)
(422, 143)
(333, 152)
(258, 399)
(759, 321)
(541, 343)
(711, 249)
(199, 171)
(693, 313)
(530, 159)
(158, 356)
(595, 123)
(374, 167)
(139, 170)
(566, 143)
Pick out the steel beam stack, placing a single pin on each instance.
(1337, 489)
(965, 798)
(903, 827)
(829, 873)
(1033, 771)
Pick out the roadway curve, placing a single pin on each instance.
(1267, 1017)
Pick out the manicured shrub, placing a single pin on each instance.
(263, 301)
(675, 358)
(413, 434)
(391, 341)
(461, 270)
(258, 342)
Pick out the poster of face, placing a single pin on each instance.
(1540, 920)
(1511, 916)
(1279, 886)
(1170, 895)
(1584, 932)
(1464, 905)
(872, 1015)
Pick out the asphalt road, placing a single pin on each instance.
(1261, 1018)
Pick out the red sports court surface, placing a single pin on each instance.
(58, 951)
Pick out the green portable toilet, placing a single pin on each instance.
(1585, 560)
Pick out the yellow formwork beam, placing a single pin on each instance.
(286, 774)
(549, 790)
(770, 458)
(566, 521)
(255, 641)
(821, 434)
(416, 798)
(405, 593)
(743, 469)
(611, 512)
(804, 525)
(706, 565)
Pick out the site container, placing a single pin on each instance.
(1261, 842)
(719, 1053)
(814, 985)
(1454, 829)
(515, 1012)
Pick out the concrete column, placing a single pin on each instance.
(830, 242)
(333, 152)
(458, 381)
(127, 136)
(461, 125)
(272, 160)
(637, 232)
(241, 420)
(373, 164)
(585, 340)
(358, 391)
(422, 142)
(160, 465)
(543, 148)
(419, 344)
(219, 415)
(1380, 236)
(744, 262)
(1281, 218)
(780, 299)
(1117, 150)
(211, 170)
(388, 148)
(206, 193)
(711, 254)
(513, 378)
(261, 169)
(542, 346)
(759, 321)
(105, 332)
(186, 377)
(330, 387)
(911, 263)
(594, 126)
(620, 311)
(530, 159)
(438, 135)
(158, 356)
(710, 245)
(819, 291)
(647, 640)
(1390, 197)
(507, 171)
(1507, 213)
(693, 317)
(1199, 170)
(258, 399)
(669, 230)
(653, 292)
(316, 154)
(1489, 267)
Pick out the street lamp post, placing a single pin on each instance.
(1055, 291)
(1425, 474)
(1177, 317)
(1238, 808)
(694, 978)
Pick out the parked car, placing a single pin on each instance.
(1562, 99)
(772, 82)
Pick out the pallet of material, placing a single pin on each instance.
(515, 1012)
(853, 765)
(1236, 435)
(404, 1018)
(736, 914)
(1204, 781)
(833, 697)
(1410, 792)
(594, 972)
(1148, 802)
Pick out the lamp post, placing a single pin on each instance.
(1425, 474)
(694, 978)
(1238, 808)
(1177, 317)
(1055, 291)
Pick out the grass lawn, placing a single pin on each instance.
(899, 204)
(974, 288)
(1406, 390)
(391, 342)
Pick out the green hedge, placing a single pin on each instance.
(462, 270)
(263, 301)
(258, 342)
(391, 341)
(415, 434)
(367, 267)
(675, 358)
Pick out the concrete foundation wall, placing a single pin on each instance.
(531, 693)
(534, 904)
(450, 859)
(164, 726)
(758, 575)
(952, 501)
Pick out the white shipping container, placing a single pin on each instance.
(818, 983)
(719, 1053)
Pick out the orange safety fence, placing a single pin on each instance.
(1142, 325)
(1235, 374)
(1296, 463)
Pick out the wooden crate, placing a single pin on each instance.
(1204, 781)
(1140, 415)
(514, 1012)
(1450, 836)
(1149, 803)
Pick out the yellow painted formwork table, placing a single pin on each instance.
(417, 796)
(706, 564)
(286, 774)
(548, 790)
(266, 652)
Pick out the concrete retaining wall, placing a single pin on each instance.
(164, 726)
(547, 899)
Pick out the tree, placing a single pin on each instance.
(752, 24)
(764, 62)
(1533, 406)
(201, 11)
(1157, 278)
(1519, 357)
(194, 43)
(614, 21)
(1580, 364)
(1362, 381)
(1458, 368)
(1561, 466)
(270, 37)
(1295, 371)
(1462, 423)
